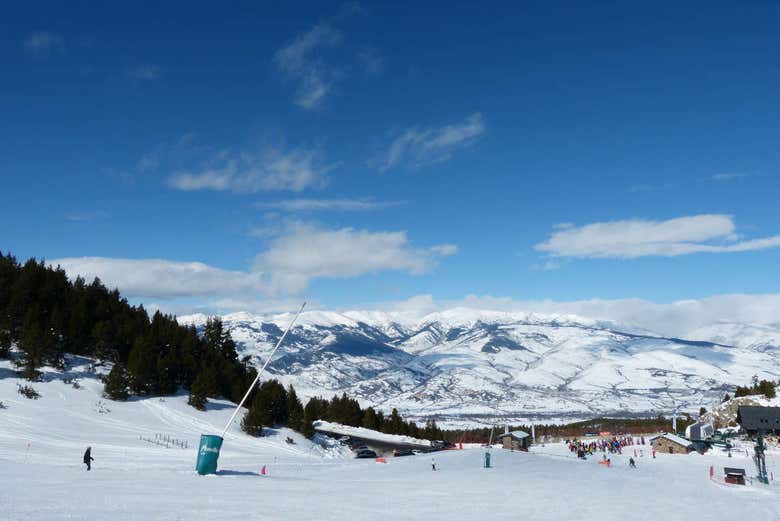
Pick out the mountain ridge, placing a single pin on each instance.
(466, 366)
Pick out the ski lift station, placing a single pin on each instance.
(699, 431)
(759, 420)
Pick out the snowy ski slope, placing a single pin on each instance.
(136, 480)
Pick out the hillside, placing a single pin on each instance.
(725, 414)
(71, 414)
(468, 366)
(42, 442)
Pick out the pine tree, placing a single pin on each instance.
(252, 423)
(394, 424)
(370, 420)
(34, 345)
(5, 343)
(311, 413)
(294, 410)
(167, 369)
(219, 339)
(116, 386)
(270, 403)
(141, 366)
(767, 388)
(103, 335)
(432, 431)
(199, 391)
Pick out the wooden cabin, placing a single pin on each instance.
(734, 476)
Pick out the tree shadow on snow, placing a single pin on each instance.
(236, 473)
(8, 373)
(211, 406)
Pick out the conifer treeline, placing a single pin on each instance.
(765, 387)
(273, 405)
(46, 316)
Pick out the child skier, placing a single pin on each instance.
(88, 459)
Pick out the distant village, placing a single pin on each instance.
(745, 418)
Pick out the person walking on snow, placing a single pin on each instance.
(88, 459)
(433, 464)
(631, 463)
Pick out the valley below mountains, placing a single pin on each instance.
(466, 367)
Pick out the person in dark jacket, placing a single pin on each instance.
(88, 459)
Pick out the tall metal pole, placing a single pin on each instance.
(760, 459)
(262, 370)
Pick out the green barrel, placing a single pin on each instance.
(208, 454)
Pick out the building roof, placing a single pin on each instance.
(699, 430)
(673, 438)
(518, 435)
(754, 417)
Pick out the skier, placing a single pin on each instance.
(631, 463)
(88, 459)
(433, 464)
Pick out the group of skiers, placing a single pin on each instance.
(613, 445)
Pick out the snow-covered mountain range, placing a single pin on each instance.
(466, 366)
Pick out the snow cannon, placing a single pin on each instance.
(210, 444)
(208, 454)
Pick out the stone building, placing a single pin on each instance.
(671, 444)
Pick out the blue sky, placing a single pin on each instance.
(355, 154)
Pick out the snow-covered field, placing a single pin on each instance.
(133, 479)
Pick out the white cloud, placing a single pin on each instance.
(42, 43)
(144, 72)
(293, 260)
(273, 169)
(639, 238)
(444, 249)
(727, 176)
(298, 61)
(296, 254)
(314, 205)
(371, 62)
(86, 216)
(417, 147)
(157, 278)
(306, 252)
